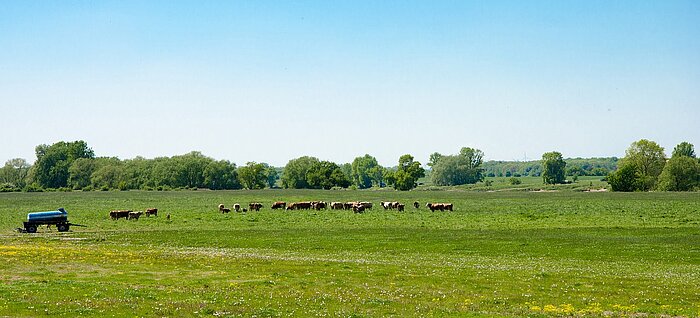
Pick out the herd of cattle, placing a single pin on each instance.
(133, 215)
(355, 206)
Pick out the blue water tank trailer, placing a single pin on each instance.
(58, 218)
(50, 216)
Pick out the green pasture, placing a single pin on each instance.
(499, 254)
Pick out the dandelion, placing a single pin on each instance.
(550, 308)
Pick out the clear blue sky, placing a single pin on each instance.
(271, 81)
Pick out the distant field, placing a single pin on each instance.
(502, 253)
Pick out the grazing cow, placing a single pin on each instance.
(245, 210)
(439, 206)
(118, 214)
(358, 208)
(320, 205)
(135, 215)
(221, 207)
(255, 206)
(336, 205)
(225, 210)
(279, 205)
(237, 207)
(151, 211)
(367, 205)
(304, 205)
(400, 207)
(416, 204)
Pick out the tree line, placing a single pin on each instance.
(73, 166)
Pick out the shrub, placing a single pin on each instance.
(514, 181)
(8, 187)
(33, 188)
(488, 183)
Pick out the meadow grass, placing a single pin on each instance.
(508, 254)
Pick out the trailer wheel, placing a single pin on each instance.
(31, 229)
(62, 227)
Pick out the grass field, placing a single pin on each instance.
(503, 253)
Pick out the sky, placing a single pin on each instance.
(269, 81)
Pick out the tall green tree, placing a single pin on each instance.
(684, 149)
(553, 167)
(681, 173)
(407, 173)
(295, 172)
(434, 158)
(364, 171)
(624, 179)
(53, 162)
(15, 172)
(80, 172)
(272, 176)
(326, 175)
(463, 168)
(253, 175)
(649, 159)
(189, 169)
(221, 175)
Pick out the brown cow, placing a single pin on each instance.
(118, 214)
(367, 205)
(151, 211)
(336, 205)
(279, 205)
(320, 205)
(358, 208)
(135, 215)
(439, 206)
(255, 206)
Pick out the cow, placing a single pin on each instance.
(255, 206)
(416, 204)
(221, 207)
(151, 211)
(225, 210)
(237, 207)
(439, 206)
(350, 205)
(118, 214)
(135, 215)
(279, 205)
(358, 208)
(400, 207)
(320, 205)
(367, 205)
(336, 205)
